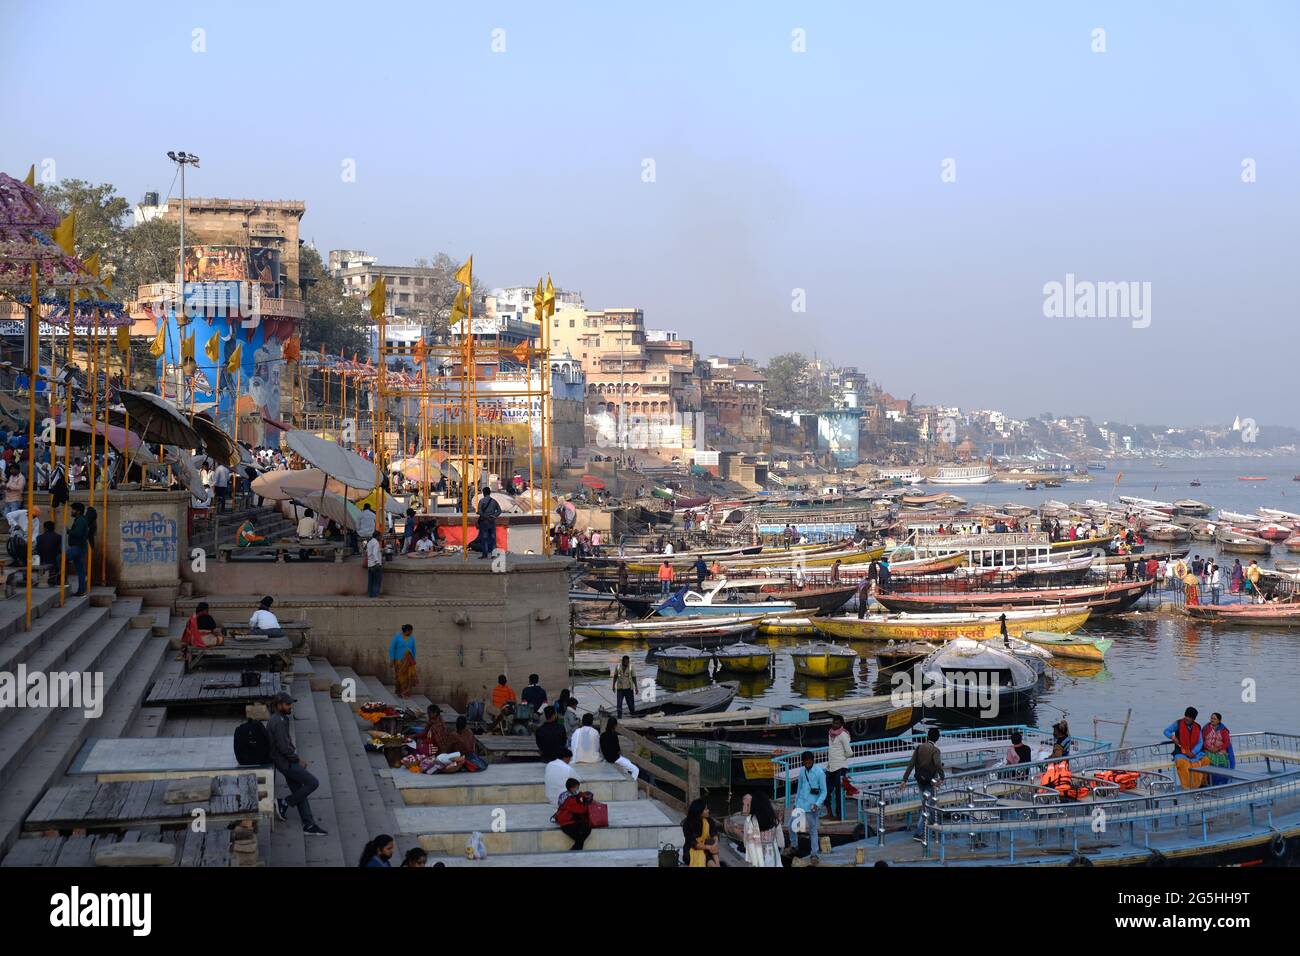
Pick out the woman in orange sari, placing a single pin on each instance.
(1192, 588)
(401, 655)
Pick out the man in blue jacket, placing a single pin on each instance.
(811, 795)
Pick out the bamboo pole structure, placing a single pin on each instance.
(33, 367)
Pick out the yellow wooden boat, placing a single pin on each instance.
(786, 627)
(820, 659)
(744, 658)
(1075, 648)
(1082, 544)
(683, 661)
(948, 627)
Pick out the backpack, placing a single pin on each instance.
(252, 743)
(16, 547)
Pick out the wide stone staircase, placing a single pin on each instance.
(216, 530)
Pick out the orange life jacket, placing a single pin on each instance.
(1125, 779)
(1056, 774)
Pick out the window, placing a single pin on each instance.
(570, 322)
(404, 280)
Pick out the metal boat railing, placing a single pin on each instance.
(886, 754)
(966, 807)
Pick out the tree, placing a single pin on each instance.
(101, 217)
(791, 384)
(332, 320)
(149, 255)
(431, 302)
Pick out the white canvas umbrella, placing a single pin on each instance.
(347, 467)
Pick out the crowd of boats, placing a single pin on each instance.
(954, 594)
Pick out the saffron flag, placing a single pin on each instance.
(187, 349)
(548, 298)
(378, 298)
(459, 308)
(420, 351)
(91, 262)
(520, 353)
(31, 176)
(232, 364)
(124, 339)
(292, 349)
(159, 343)
(538, 297)
(465, 274)
(65, 234)
(213, 349)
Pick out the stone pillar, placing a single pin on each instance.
(146, 535)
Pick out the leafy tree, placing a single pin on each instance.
(149, 255)
(791, 383)
(101, 217)
(431, 303)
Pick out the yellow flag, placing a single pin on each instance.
(213, 349)
(65, 234)
(159, 343)
(378, 298)
(459, 308)
(31, 176)
(187, 349)
(538, 296)
(124, 339)
(91, 262)
(232, 365)
(420, 351)
(548, 298)
(464, 275)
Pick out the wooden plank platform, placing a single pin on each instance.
(276, 651)
(211, 690)
(335, 550)
(508, 746)
(210, 848)
(127, 805)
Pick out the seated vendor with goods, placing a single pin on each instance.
(201, 630)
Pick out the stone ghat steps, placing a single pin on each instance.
(504, 784)
(222, 529)
(528, 829)
(586, 858)
(38, 744)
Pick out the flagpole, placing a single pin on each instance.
(67, 438)
(33, 361)
(93, 364)
(103, 552)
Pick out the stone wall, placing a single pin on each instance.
(147, 539)
(471, 622)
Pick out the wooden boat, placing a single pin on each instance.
(1258, 615)
(977, 676)
(1274, 532)
(1277, 514)
(1293, 544)
(1235, 542)
(779, 559)
(709, 699)
(1252, 478)
(905, 652)
(1112, 596)
(1192, 508)
(1073, 646)
(786, 627)
(1083, 544)
(1195, 483)
(1235, 517)
(882, 715)
(947, 627)
(920, 501)
(820, 659)
(683, 661)
(1168, 532)
(744, 658)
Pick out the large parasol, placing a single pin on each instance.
(156, 420)
(220, 447)
(335, 507)
(283, 485)
(347, 467)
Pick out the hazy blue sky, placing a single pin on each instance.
(774, 170)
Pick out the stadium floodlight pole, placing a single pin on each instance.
(181, 159)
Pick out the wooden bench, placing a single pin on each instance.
(200, 690)
(285, 546)
(277, 652)
(129, 804)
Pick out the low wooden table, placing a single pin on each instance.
(131, 804)
(199, 690)
(276, 652)
(286, 546)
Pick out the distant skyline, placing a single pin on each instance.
(918, 173)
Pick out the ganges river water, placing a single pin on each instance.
(1160, 663)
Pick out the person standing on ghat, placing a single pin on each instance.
(374, 566)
